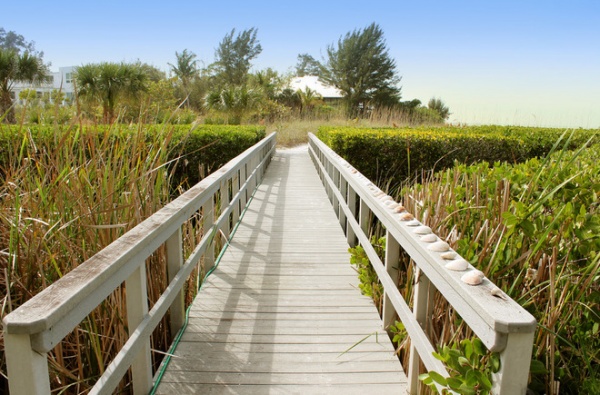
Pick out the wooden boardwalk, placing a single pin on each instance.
(283, 314)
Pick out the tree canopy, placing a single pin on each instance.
(307, 65)
(16, 67)
(16, 42)
(361, 67)
(107, 82)
(233, 56)
(439, 106)
(185, 69)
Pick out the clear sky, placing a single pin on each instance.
(526, 62)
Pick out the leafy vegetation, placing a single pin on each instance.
(533, 228)
(470, 367)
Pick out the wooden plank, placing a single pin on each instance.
(214, 359)
(296, 389)
(257, 378)
(282, 313)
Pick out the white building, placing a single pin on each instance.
(312, 82)
(61, 80)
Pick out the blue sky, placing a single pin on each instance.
(506, 62)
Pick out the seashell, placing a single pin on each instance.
(422, 230)
(457, 265)
(400, 208)
(406, 216)
(353, 171)
(377, 193)
(474, 277)
(413, 222)
(497, 292)
(386, 198)
(391, 205)
(439, 246)
(430, 238)
(448, 255)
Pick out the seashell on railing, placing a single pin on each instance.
(474, 277)
(457, 265)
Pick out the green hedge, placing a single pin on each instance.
(392, 156)
(196, 150)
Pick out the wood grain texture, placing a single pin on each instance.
(282, 314)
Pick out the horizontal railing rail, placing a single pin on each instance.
(501, 324)
(37, 326)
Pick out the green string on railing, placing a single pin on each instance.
(167, 360)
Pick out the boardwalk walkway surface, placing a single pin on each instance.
(283, 314)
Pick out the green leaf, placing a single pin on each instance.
(464, 361)
(495, 362)
(438, 378)
(485, 382)
(537, 367)
(426, 379)
(468, 347)
(527, 227)
(478, 347)
(454, 383)
(467, 389)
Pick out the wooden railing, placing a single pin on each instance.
(36, 327)
(501, 324)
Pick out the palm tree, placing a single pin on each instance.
(106, 83)
(308, 99)
(185, 70)
(15, 67)
(236, 101)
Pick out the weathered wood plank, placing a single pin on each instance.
(313, 389)
(302, 378)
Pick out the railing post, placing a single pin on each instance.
(243, 179)
(364, 218)
(350, 235)
(235, 188)
(224, 193)
(515, 359)
(27, 369)
(174, 263)
(392, 256)
(335, 176)
(341, 212)
(208, 215)
(422, 308)
(137, 309)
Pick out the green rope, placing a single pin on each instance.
(177, 339)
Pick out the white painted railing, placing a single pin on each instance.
(501, 324)
(36, 327)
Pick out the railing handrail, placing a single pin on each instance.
(502, 324)
(40, 323)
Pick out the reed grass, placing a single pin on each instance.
(63, 202)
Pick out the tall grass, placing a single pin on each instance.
(534, 229)
(293, 130)
(60, 203)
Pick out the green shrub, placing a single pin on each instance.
(194, 151)
(395, 155)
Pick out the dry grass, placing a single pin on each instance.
(294, 130)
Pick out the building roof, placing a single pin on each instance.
(312, 82)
